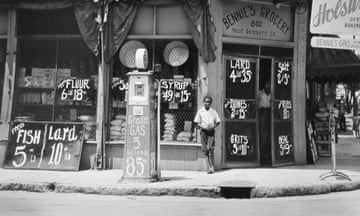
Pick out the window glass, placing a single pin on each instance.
(3, 22)
(2, 66)
(47, 22)
(178, 89)
(55, 78)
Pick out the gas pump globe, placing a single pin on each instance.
(140, 154)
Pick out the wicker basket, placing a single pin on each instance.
(176, 53)
(128, 51)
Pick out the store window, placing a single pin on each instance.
(56, 72)
(175, 66)
(2, 65)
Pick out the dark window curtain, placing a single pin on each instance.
(85, 14)
(120, 18)
(201, 26)
(40, 4)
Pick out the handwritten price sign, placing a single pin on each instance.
(38, 145)
(74, 89)
(176, 90)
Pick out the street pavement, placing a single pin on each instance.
(265, 182)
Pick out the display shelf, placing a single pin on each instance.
(322, 138)
(37, 88)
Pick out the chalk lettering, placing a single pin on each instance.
(62, 134)
(28, 136)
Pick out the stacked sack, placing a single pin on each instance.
(118, 127)
(169, 127)
(184, 136)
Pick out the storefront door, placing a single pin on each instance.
(282, 146)
(240, 147)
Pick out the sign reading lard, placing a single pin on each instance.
(335, 17)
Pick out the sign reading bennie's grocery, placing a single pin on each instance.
(250, 20)
(335, 17)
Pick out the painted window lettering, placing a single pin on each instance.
(285, 106)
(283, 74)
(239, 144)
(285, 145)
(240, 69)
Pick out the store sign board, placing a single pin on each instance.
(240, 78)
(176, 90)
(44, 145)
(239, 109)
(335, 43)
(257, 21)
(283, 142)
(335, 17)
(240, 141)
(75, 90)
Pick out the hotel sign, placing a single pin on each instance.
(335, 17)
(249, 20)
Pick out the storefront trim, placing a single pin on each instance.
(281, 44)
(50, 37)
(159, 37)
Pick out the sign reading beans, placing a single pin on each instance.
(44, 145)
(239, 109)
(176, 90)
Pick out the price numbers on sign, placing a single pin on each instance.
(137, 152)
(74, 89)
(120, 84)
(240, 144)
(240, 70)
(285, 106)
(238, 108)
(283, 73)
(44, 146)
(176, 90)
(285, 145)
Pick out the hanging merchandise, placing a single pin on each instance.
(127, 53)
(176, 53)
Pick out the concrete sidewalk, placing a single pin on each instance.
(269, 182)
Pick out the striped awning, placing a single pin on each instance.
(333, 65)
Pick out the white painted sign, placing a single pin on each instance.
(335, 43)
(335, 17)
(250, 20)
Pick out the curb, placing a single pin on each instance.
(194, 191)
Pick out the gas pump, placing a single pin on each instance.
(140, 154)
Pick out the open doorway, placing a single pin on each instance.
(265, 110)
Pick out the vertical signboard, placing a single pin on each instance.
(140, 154)
(240, 144)
(283, 141)
(44, 145)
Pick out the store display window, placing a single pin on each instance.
(174, 63)
(56, 72)
(2, 65)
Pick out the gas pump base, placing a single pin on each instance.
(126, 179)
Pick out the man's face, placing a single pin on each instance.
(267, 88)
(207, 103)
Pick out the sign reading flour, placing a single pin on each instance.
(241, 19)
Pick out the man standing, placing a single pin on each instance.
(207, 119)
(265, 123)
